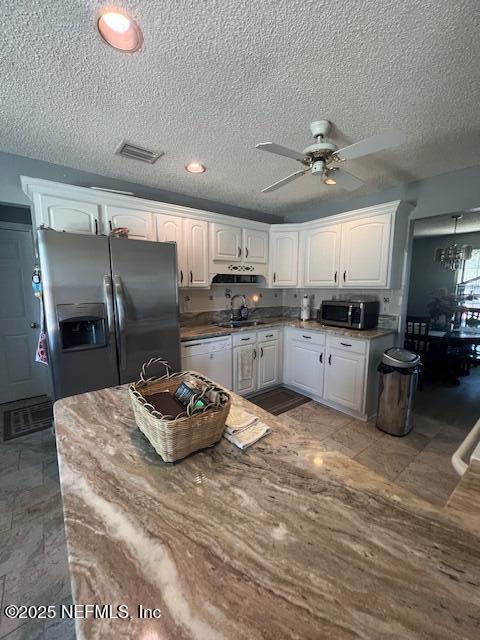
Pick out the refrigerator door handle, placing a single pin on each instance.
(120, 304)
(107, 289)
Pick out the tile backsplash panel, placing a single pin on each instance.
(214, 299)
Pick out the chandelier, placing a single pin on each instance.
(453, 256)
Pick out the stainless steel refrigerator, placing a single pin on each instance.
(110, 304)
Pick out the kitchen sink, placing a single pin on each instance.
(236, 324)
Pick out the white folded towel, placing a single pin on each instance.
(244, 429)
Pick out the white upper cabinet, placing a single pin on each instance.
(284, 258)
(226, 243)
(255, 246)
(196, 237)
(170, 229)
(140, 224)
(365, 252)
(64, 214)
(321, 247)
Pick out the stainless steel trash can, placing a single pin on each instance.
(398, 380)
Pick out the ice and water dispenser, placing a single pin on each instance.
(82, 326)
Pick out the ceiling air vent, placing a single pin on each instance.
(129, 150)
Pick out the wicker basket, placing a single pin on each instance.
(174, 437)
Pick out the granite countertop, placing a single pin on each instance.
(202, 331)
(281, 541)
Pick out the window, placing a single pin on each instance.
(471, 269)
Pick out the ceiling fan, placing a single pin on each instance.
(320, 157)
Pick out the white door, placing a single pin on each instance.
(196, 235)
(255, 246)
(365, 253)
(140, 224)
(268, 364)
(306, 367)
(225, 243)
(344, 379)
(284, 258)
(322, 256)
(63, 214)
(245, 369)
(20, 376)
(170, 229)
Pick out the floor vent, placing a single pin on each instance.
(129, 150)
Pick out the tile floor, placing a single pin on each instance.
(33, 554)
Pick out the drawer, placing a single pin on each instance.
(244, 337)
(312, 337)
(268, 334)
(346, 343)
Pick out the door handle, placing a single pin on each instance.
(96, 227)
(261, 352)
(344, 276)
(120, 304)
(330, 359)
(321, 358)
(181, 276)
(274, 276)
(239, 251)
(191, 276)
(246, 252)
(108, 293)
(335, 276)
(33, 325)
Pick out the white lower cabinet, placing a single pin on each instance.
(345, 379)
(307, 367)
(268, 364)
(257, 360)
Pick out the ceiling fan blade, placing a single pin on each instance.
(345, 180)
(280, 183)
(376, 143)
(271, 147)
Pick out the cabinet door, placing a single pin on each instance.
(225, 243)
(284, 259)
(196, 234)
(344, 378)
(306, 367)
(63, 214)
(365, 253)
(322, 256)
(255, 246)
(140, 224)
(170, 229)
(245, 369)
(268, 364)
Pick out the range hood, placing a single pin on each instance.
(239, 278)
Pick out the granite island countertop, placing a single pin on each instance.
(201, 331)
(281, 541)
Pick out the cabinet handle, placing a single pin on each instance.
(261, 352)
(244, 339)
(246, 252)
(345, 344)
(96, 227)
(110, 224)
(321, 358)
(191, 276)
(307, 337)
(330, 359)
(270, 335)
(335, 276)
(274, 276)
(239, 252)
(344, 276)
(254, 354)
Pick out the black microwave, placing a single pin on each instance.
(352, 314)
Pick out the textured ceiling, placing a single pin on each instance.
(215, 77)
(444, 225)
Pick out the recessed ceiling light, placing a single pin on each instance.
(329, 181)
(195, 167)
(120, 31)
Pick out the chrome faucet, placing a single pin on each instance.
(237, 295)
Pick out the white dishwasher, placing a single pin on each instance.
(211, 356)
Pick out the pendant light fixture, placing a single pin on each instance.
(453, 256)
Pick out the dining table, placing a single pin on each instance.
(454, 351)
